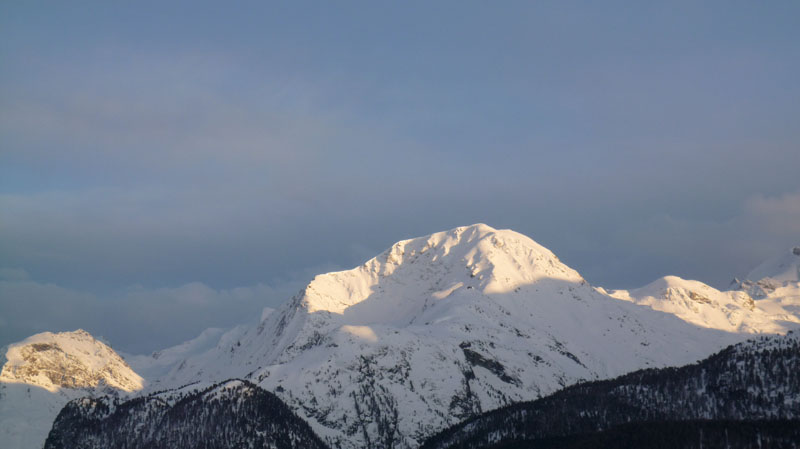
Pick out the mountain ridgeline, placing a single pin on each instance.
(233, 414)
(440, 328)
(747, 395)
(431, 332)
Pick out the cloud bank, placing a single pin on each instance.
(135, 320)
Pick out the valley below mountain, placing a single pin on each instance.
(749, 392)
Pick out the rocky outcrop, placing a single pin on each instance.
(68, 360)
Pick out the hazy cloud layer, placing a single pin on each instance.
(136, 320)
(194, 151)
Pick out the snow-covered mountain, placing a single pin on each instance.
(782, 268)
(746, 396)
(440, 328)
(768, 300)
(777, 278)
(732, 311)
(68, 360)
(45, 371)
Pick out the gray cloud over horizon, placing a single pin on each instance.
(136, 320)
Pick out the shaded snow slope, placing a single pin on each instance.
(439, 328)
(161, 362)
(27, 413)
(44, 372)
(784, 267)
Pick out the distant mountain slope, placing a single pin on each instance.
(440, 328)
(159, 363)
(755, 380)
(741, 310)
(776, 282)
(234, 414)
(784, 267)
(45, 371)
(68, 360)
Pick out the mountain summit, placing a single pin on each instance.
(416, 279)
(68, 360)
(45, 371)
(439, 328)
(495, 261)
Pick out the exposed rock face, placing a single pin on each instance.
(45, 371)
(758, 290)
(749, 392)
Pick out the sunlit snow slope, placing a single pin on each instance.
(45, 371)
(439, 328)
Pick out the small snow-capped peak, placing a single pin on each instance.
(668, 286)
(671, 292)
(67, 360)
(784, 267)
(478, 256)
(732, 311)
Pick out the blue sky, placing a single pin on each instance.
(179, 166)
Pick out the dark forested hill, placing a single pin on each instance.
(233, 414)
(747, 395)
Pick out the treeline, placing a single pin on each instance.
(722, 434)
(753, 382)
(233, 414)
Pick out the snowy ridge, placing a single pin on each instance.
(731, 311)
(777, 277)
(782, 268)
(161, 362)
(440, 328)
(435, 330)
